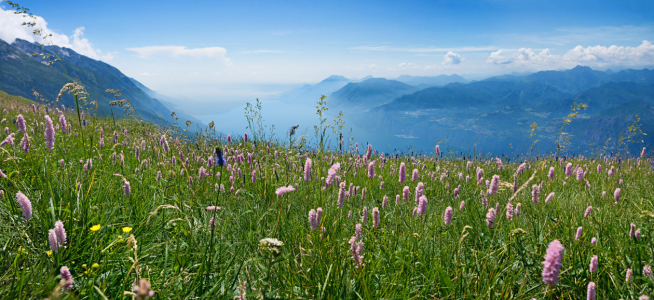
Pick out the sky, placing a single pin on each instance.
(224, 50)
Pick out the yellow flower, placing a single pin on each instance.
(49, 252)
(95, 266)
(95, 227)
(127, 229)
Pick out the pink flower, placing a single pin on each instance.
(490, 217)
(284, 189)
(552, 263)
(438, 150)
(375, 217)
(549, 197)
(517, 209)
(629, 276)
(67, 281)
(20, 123)
(213, 208)
(578, 234)
(494, 185)
(591, 291)
(447, 217)
(402, 173)
(384, 201)
(25, 205)
(616, 195)
(550, 174)
(313, 217)
(509, 211)
(341, 194)
(462, 206)
(535, 190)
(414, 177)
(632, 230)
(568, 169)
(364, 215)
(593, 264)
(405, 193)
(588, 210)
(307, 170)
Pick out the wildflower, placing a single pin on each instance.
(357, 231)
(593, 264)
(604, 194)
(127, 187)
(490, 217)
(578, 234)
(159, 176)
(371, 170)
(384, 201)
(8, 140)
(549, 198)
(213, 208)
(642, 153)
(341, 194)
(307, 170)
(142, 290)
(616, 195)
(422, 206)
(414, 177)
(517, 209)
(462, 206)
(67, 281)
(647, 271)
(534, 193)
(591, 291)
(593, 241)
(60, 233)
(494, 185)
(20, 123)
(632, 230)
(25, 205)
(588, 210)
(2, 175)
(438, 151)
(229, 138)
(245, 137)
(629, 276)
(580, 174)
(375, 217)
(62, 122)
(313, 220)
(95, 227)
(599, 168)
(402, 173)
(568, 169)
(550, 174)
(447, 217)
(509, 210)
(364, 215)
(637, 233)
(552, 263)
(127, 229)
(271, 246)
(283, 190)
(242, 290)
(52, 240)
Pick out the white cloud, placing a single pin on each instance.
(601, 55)
(262, 51)
(522, 56)
(452, 58)
(175, 51)
(372, 66)
(11, 28)
(406, 65)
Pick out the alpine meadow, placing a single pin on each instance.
(527, 183)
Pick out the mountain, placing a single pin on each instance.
(309, 94)
(370, 93)
(605, 96)
(428, 81)
(497, 112)
(171, 103)
(20, 74)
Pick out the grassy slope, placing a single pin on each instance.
(406, 257)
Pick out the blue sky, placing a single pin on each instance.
(204, 49)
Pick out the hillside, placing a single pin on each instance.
(370, 93)
(20, 74)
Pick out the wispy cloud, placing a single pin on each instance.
(174, 51)
(424, 49)
(263, 51)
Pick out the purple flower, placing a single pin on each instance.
(593, 241)
(284, 189)
(490, 217)
(447, 217)
(580, 174)
(20, 122)
(402, 173)
(384, 201)
(462, 206)
(364, 215)
(67, 281)
(550, 174)
(494, 185)
(591, 291)
(405, 193)
(375, 217)
(414, 177)
(127, 187)
(49, 133)
(568, 169)
(357, 231)
(313, 217)
(632, 230)
(647, 271)
(616, 195)
(422, 206)
(593, 264)
(25, 205)
(517, 209)
(588, 210)
(61, 233)
(578, 234)
(307, 170)
(535, 190)
(552, 263)
(549, 198)
(52, 240)
(341, 194)
(509, 210)
(438, 150)
(62, 123)
(629, 276)
(371, 170)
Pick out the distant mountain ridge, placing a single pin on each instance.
(20, 74)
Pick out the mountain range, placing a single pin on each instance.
(21, 74)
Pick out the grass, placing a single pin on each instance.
(161, 231)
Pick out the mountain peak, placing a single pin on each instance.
(336, 78)
(581, 68)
